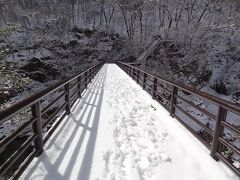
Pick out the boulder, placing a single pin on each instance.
(175, 55)
(72, 43)
(38, 76)
(222, 88)
(79, 36)
(33, 64)
(4, 96)
(39, 71)
(131, 59)
(87, 32)
(237, 94)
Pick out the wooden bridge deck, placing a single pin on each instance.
(117, 131)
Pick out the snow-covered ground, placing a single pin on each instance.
(117, 132)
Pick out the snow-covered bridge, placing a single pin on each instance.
(117, 131)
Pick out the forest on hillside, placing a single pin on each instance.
(203, 34)
(45, 41)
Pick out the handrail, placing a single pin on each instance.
(14, 109)
(214, 99)
(213, 138)
(36, 141)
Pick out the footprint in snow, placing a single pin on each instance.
(154, 140)
(165, 134)
(154, 109)
(165, 157)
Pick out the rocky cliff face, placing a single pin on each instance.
(212, 65)
(27, 69)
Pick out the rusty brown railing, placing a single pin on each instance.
(212, 125)
(42, 116)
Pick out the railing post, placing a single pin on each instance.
(79, 86)
(89, 75)
(86, 76)
(138, 75)
(144, 80)
(67, 98)
(92, 74)
(132, 73)
(218, 132)
(37, 128)
(173, 101)
(94, 71)
(154, 88)
(135, 74)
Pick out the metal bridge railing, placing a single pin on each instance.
(218, 131)
(41, 116)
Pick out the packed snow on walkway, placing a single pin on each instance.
(117, 132)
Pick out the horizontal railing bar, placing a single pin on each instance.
(53, 115)
(5, 166)
(163, 105)
(6, 141)
(149, 80)
(223, 141)
(140, 81)
(164, 89)
(192, 131)
(74, 86)
(228, 163)
(53, 103)
(216, 100)
(197, 107)
(162, 96)
(24, 165)
(83, 78)
(74, 94)
(134, 76)
(230, 127)
(146, 85)
(128, 65)
(53, 128)
(28, 102)
(84, 84)
(149, 87)
(141, 75)
(210, 132)
(221, 103)
(6, 114)
(74, 100)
